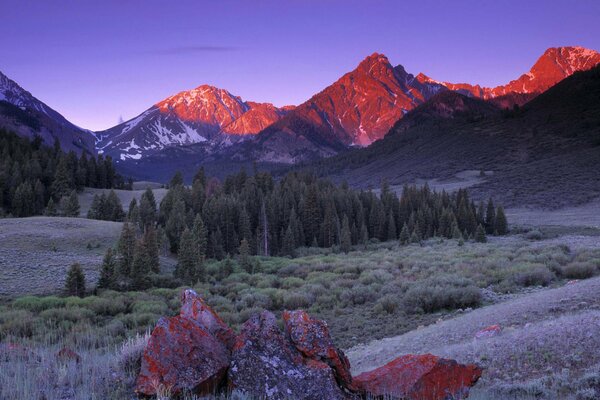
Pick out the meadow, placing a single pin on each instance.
(376, 291)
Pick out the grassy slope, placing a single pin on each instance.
(36, 252)
(543, 333)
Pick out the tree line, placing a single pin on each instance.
(256, 215)
(36, 179)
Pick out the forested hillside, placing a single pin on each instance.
(37, 179)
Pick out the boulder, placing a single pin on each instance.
(66, 355)
(195, 308)
(419, 377)
(311, 337)
(266, 365)
(182, 355)
(488, 332)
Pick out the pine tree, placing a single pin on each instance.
(72, 205)
(51, 208)
(288, 247)
(147, 209)
(456, 234)
(62, 184)
(244, 256)
(480, 235)
(187, 258)
(392, 234)
(501, 226)
(346, 239)
(140, 268)
(133, 214)
(126, 249)
(176, 224)
(75, 282)
(151, 244)
(107, 272)
(404, 235)
(490, 217)
(364, 234)
(200, 235)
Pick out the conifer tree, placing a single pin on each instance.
(72, 205)
(126, 249)
(404, 235)
(147, 209)
(346, 239)
(51, 208)
(288, 247)
(75, 282)
(501, 226)
(140, 267)
(176, 224)
(226, 268)
(364, 234)
(490, 217)
(107, 272)
(187, 258)
(480, 235)
(62, 184)
(151, 245)
(133, 214)
(244, 256)
(392, 234)
(200, 235)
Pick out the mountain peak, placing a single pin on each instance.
(374, 60)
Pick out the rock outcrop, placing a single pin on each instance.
(265, 364)
(182, 356)
(196, 352)
(311, 337)
(419, 377)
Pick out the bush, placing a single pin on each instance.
(387, 305)
(38, 304)
(537, 275)
(73, 314)
(295, 301)
(441, 293)
(579, 270)
(150, 307)
(534, 235)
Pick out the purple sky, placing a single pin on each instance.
(94, 61)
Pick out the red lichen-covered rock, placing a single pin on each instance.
(311, 337)
(488, 332)
(420, 377)
(195, 308)
(181, 355)
(66, 355)
(266, 365)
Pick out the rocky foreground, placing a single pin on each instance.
(196, 352)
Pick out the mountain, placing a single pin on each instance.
(545, 153)
(554, 65)
(27, 116)
(207, 115)
(364, 104)
(209, 125)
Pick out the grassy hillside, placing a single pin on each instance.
(545, 154)
(36, 252)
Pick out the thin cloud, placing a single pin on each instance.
(193, 50)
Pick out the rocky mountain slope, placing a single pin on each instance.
(207, 115)
(556, 64)
(545, 153)
(27, 116)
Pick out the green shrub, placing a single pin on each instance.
(37, 304)
(295, 301)
(386, 305)
(150, 307)
(292, 282)
(73, 314)
(579, 270)
(537, 275)
(441, 293)
(534, 234)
